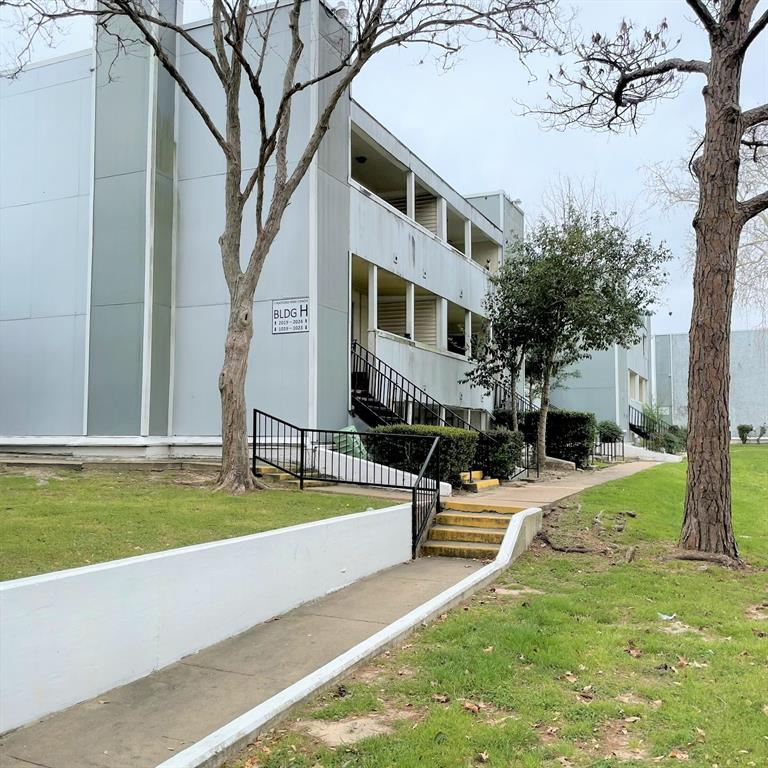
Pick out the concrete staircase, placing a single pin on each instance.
(280, 479)
(475, 481)
(473, 529)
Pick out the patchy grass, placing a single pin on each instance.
(54, 519)
(585, 674)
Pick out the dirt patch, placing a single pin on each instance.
(350, 730)
(679, 628)
(368, 674)
(633, 698)
(515, 591)
(615, 740)
(758, 612)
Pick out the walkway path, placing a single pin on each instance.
(545, 492)
(142, 724)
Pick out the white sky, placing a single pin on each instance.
(466, 125)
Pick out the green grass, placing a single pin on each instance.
(552, 671)
(63, 518)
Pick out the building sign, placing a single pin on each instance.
(290, 315)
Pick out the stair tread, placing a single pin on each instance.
(466, 529)
(472, 548)
(485, 514)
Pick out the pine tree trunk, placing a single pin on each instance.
(236, 475)
(707, 525)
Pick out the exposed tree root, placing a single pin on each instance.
(708, 557)
(237, 484)
(576, 549)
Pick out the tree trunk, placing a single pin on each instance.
(707, 525)
(541, 435)
(236, 475)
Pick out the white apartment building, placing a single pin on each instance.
(113, 303)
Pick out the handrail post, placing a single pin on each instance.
(253, 446)
(301, 461)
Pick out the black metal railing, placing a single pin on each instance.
(386, 387)
(648, 427)
(608, 450)
(406, 462)
(505, 398)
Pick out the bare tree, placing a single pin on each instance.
(673, 184)
(612, 82)
(241, 43)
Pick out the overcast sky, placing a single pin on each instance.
(466, 125)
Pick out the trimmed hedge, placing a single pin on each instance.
(610, 431)
(457, 449)
(500, 453)
(502, 418)
(570, 434)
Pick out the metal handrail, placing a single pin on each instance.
(646, 426)
(353, 458)
(425, 499)
(390, 383)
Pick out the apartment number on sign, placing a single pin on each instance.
(290, 315)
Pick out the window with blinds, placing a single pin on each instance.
(391, 312)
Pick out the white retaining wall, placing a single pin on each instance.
(71, 635)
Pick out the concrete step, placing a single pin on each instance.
(466, 549)
(473, 519)
(481, 505)
(481, 485)
(294, 483)
(468, 477)
(464, 533)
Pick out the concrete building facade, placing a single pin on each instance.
(113, 303)
(609, 382)
(749, 377)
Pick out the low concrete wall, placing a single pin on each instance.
(643, 454)
(71, 635)
(344, 467)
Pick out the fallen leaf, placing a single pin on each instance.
(470, 706)
(678, 754)
(682, 662)
(570, 677)
(633, 650)
(441, 698)
(489, 649)
(632, 719)
(482, 757)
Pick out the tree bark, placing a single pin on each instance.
(541, 435)
(236, 475)
(707, 525)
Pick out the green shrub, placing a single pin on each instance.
(761, 433)
(457, 449)
(503, 418)
(570, 434)
(610, 431)
(675, 439)
(499, 452)
(744, 430)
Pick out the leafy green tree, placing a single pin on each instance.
(586, 285)
(500, 355)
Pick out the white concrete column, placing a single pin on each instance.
(442, 416)
(468, 239)
(468, 332)
(410, 195)
(442, 323)
(373, 305)
(410, 311)
(442, 218)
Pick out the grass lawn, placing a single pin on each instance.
(566, 660)
(54, 519)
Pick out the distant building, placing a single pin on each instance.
(749, 377)
(610, 382)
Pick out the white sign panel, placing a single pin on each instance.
(290, 315)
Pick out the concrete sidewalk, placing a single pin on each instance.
(545, 492)
(142, 724)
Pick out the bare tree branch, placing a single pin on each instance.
(703, 14)
(755, 116)
(753, 207)
(753, 33)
